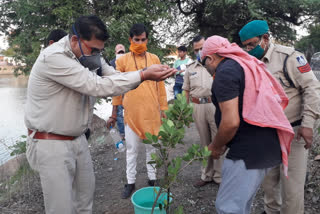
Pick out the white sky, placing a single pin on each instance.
(3, 42)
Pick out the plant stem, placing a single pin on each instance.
(155, 201)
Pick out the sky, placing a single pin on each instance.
(3, 42)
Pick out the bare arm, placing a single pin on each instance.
(113, 119)
(230, 121)
(187, 95)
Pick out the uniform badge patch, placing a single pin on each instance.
(305, 67)
(301, 60)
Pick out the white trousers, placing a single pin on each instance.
(133, 142)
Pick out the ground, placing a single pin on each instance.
(109, 166)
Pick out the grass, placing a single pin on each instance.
(18, 182)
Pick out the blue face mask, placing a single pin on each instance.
(199, 56)
(257, 51)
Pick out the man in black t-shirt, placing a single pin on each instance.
(253, 150)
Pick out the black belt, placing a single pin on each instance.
(296, 123)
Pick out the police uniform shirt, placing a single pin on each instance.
(197, 80)
(59, 90)
(304, 98)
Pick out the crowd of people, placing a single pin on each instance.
(254, 107)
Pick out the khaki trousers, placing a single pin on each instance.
(286, 195)
(203, 115)
(66, 174)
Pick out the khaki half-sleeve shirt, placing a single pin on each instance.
(304, 98)
(60, 90)
(197, 81)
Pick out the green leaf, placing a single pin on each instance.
(179, 210)
(154, 156)
(204, 162)
(152, 162)
(148, 136)
(170, 123)
(160, 206)
(154, 138)
(156, 145)
(146, 141)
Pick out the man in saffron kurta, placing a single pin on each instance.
(143, 107)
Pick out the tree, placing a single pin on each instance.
(28, 22)
(311, 43)
(227, 17)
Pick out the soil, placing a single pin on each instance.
(109, 166)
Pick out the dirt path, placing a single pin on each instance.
(110, 178)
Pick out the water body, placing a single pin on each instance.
(13, 92)
(13, 98)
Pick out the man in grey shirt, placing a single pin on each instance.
(62, 88)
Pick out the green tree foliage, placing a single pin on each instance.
(120, 15)
(28, 22)
(311, 43)
(227, 17)
(8, 52)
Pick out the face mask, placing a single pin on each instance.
(138, 48)
(92, 62)
(199, 56)
(118, 55)
(257, 51)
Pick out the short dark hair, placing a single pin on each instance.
(197, 38)
(138, 29)
(55, 35)
(182, 48)
(88, 26)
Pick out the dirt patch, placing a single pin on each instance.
(110, 175)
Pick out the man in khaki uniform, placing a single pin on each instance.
(197, 84)
(302, 88)
(61, 90)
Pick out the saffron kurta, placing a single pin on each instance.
(142, 105)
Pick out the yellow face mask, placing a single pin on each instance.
(137, 48)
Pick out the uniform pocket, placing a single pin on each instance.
(195, 80)
(31, 153)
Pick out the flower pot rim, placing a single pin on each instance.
(156, 208)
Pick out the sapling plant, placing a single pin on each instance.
(172, 130)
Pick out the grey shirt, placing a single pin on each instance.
(60, 95)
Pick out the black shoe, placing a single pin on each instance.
(264, 212)
(127, 191)
(153, 183)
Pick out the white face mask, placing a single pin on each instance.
(118, 55)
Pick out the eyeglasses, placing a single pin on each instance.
(204, 61)
(251, 45)
(93, 51)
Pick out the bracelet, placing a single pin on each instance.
(113, 118)
(142, 75)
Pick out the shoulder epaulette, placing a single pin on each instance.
(288, 52)
(283, 49)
